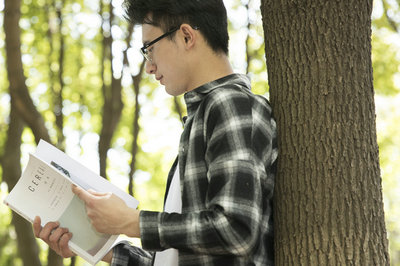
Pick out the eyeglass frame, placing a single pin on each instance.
(144, 50)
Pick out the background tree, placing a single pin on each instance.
(386, 65)
(111, 87)
(22, 108)
(328, 196)
(64, 67)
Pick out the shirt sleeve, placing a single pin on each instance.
(127, 255)
(238, 187)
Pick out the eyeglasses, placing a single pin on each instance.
(145, 51)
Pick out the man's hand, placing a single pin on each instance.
(108, 213)
(55, 236)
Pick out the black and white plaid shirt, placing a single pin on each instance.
(227, 158)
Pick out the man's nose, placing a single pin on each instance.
(150, 67)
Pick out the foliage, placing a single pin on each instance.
(160, 125)
(385, 58)
(389, 139)
(8, 256)
(386, 65)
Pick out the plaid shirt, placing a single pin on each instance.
(227, 159)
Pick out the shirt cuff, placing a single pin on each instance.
(124, 254)
(149, 233)
(120, 255)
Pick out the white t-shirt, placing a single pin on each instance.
(173, 203)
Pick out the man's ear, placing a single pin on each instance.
(189, 35)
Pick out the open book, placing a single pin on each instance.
(44, 190)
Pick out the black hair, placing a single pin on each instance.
(208, 15)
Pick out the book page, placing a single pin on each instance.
(80, 174)
(42, 191)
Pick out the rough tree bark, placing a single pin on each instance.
(328, 198)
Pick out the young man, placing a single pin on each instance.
(218, 208)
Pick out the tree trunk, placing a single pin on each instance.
(58, 93)
(113, 104)
(18, 89)
(248, 38)
(27, 247)
(135, 125)
(328, 196)
(56, 82)
(23, 104)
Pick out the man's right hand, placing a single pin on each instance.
(55, 236)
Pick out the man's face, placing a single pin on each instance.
(167, 62)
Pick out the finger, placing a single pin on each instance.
(56, 235)
(63, 245)
(47, 229)
(37, 226)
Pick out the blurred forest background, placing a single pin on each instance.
(84, 73)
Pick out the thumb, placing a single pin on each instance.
(98, 194)
(81, 193)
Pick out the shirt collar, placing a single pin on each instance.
(194, 97)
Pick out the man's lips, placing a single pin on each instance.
(160, 79)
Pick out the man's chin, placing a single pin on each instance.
(171, 91)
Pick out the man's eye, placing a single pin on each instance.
(149, 50)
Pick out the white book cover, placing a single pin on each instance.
(44, 190)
